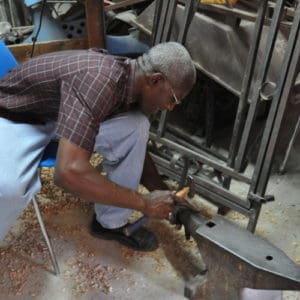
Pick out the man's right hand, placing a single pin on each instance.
(159, 204)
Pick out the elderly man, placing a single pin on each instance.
(90, 101)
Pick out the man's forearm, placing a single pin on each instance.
(92, 186)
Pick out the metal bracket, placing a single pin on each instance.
(259, 199)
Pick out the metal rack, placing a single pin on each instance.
(276, 93)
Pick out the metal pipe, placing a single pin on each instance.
(286, 83)
(157, 14)
(209, 190)
(44, 232)
(170, 17)
(190, 9)
(218, 166)
(11, 12)
(262, 73)
(247, 80)
(178, 134)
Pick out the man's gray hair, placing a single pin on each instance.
(173, 61)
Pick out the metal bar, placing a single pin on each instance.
(261, 79)
(213, 193)
(164, 166)
(48, 242)
(218, 166)
(253, 217)
(162, 124)
(11, 12)
(184, 172)
(240, 116)
(222, 192)
(192, 143)
(166, 34)
(286, 83)
(157, 14)
(163, 36)
(218, 199)
(190, 9)
(170, 17)
(241, 13)
(161, 22)
(246, 84)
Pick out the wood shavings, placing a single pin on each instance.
(86, 275)
(181, 253)
(236, 216)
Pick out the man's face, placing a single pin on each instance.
(159, 95)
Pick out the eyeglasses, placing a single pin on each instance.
(174, 100)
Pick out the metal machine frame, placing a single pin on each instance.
(226, 248)
(277, 94)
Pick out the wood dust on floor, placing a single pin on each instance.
(90, 268)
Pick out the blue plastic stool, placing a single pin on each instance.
(7, 60)
(49, 156)
(7, 63)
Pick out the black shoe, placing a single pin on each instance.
(141, 240)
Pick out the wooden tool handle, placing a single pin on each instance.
(131, 228)
(183, 192)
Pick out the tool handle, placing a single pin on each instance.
(131, 228)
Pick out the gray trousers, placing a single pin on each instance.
(121, 140)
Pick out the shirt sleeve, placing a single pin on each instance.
(87, 98)
(75, 122)
(84, 104)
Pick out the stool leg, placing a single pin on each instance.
(43, 228)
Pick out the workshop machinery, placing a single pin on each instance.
(252, 51)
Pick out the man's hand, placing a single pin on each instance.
(159, 204)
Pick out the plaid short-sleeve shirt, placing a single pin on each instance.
(78, 89)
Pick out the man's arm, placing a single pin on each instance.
(150, 176)
(74, 173)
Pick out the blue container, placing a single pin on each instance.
(7, 60)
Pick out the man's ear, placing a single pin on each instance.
(155, 78)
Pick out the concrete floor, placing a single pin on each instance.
(96, 269)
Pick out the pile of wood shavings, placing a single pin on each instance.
(82, 270)
(86, 276)
(20, 261)
(24, 262)
(182, 254)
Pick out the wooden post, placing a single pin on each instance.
(95, 23)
